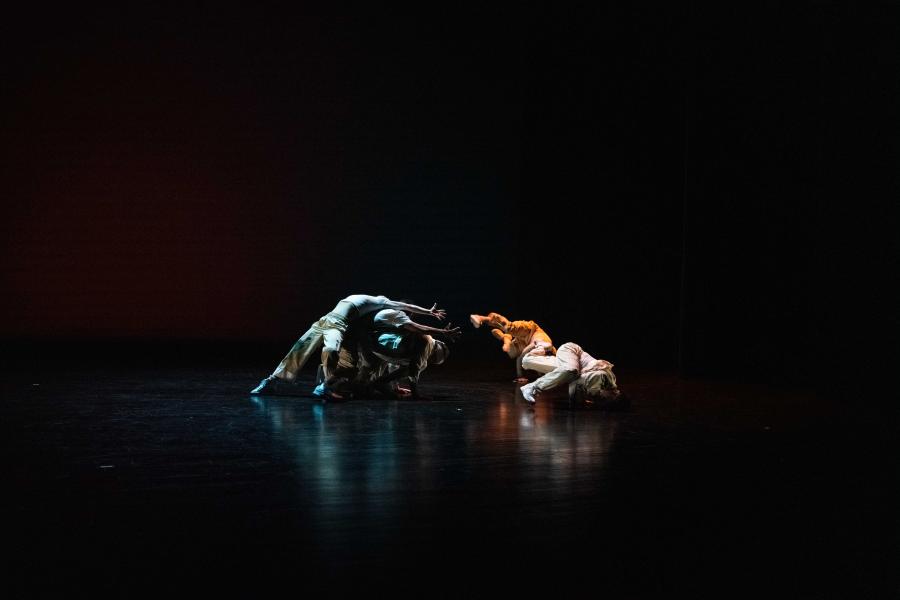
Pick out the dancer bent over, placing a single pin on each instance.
(386, 349)
(328, 333)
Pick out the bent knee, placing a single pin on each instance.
(528, 362)
(331, 347)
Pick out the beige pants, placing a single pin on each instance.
(540, 363)
(571, 365)
(327, 333)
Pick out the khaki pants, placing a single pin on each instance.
(540, 363)
(327, 333)
(572, 367)
(566, 370)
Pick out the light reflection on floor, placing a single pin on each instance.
(376, 462)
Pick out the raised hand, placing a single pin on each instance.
(451, 332)
(438, 313)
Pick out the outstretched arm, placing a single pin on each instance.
(438, 313)
(449, 331)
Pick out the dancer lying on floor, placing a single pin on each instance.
(518, 337)
(587, 377)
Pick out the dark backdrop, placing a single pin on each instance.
(683, 187)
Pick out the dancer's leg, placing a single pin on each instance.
(302, 349)
(331, 351)
(567, 370)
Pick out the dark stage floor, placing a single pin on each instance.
(175, 479)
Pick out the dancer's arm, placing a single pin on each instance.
(438, 313)
(536, 347)
(520, 372)
(449, 331)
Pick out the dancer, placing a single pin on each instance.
(584, 374)
(384, 349)
(328, 332)
(518, 337)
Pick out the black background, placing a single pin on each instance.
(693, 188)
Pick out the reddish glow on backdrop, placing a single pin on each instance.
(146, 210)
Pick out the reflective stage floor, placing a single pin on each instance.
(178, 479)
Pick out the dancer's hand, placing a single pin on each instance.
(438, 313)
(538, 350)
(451, 332)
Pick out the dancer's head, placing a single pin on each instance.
(599, 389)
(439, 353)
(593, 383)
